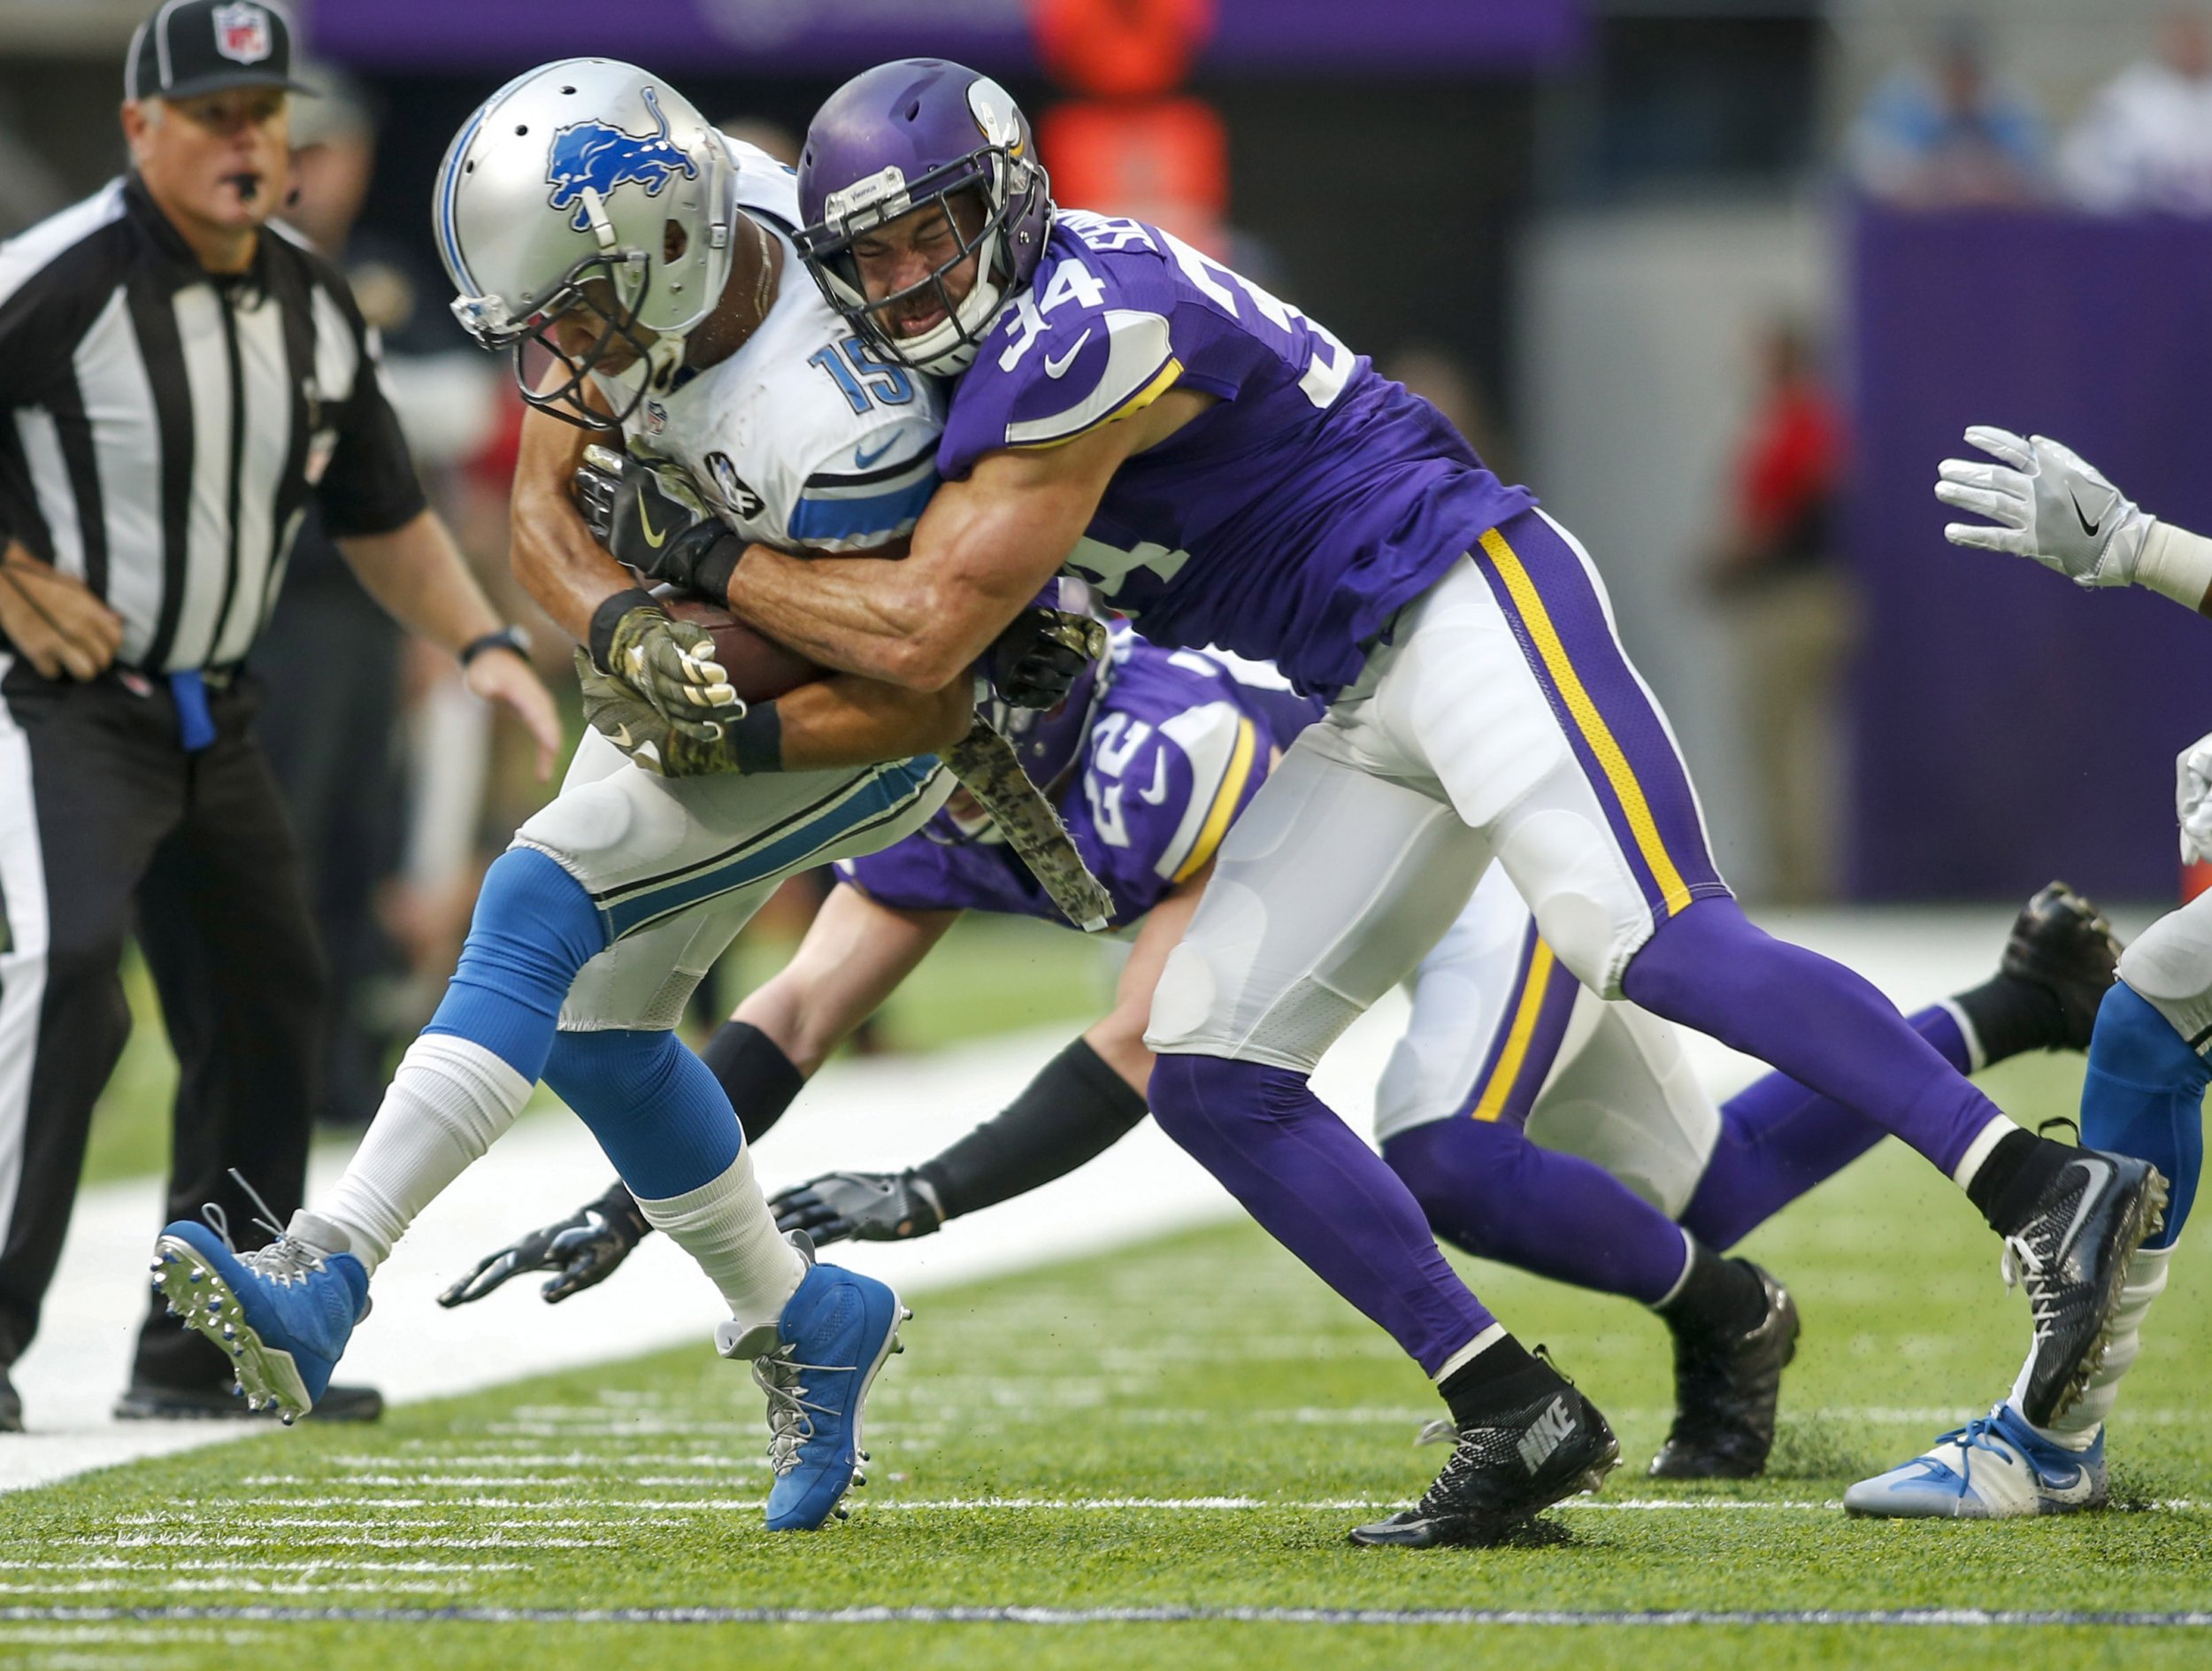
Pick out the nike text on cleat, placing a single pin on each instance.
(816, 1366)
(2062, 944)
(1498, 1478)
(1725, 1390)
(1995, 1468)
(2072, 1256)
(283, 1315)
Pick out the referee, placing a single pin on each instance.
(177, 384)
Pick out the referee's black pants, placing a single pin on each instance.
(105, 822)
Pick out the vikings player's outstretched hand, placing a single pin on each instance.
(583, 1250)
(867, 1206)
(2048, 504)
(2193, 798)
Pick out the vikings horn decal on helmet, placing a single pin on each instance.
(923, 133)
(586, 187)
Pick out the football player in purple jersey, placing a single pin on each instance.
(1535, 1124)
(1227, 471)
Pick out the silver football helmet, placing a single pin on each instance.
(586, 184)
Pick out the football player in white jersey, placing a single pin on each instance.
(588, 209)
(2145, 1094)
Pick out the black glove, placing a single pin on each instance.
(649, 516)
(584, 1250)
(1041, 654)
(867, 1206)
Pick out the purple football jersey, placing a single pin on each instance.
(1285, 523)
(1178, 746)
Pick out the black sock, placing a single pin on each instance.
(1498, 1380)
(1718, 1297)
(2010, 1184)
(2011, 1014)
(760, 1080)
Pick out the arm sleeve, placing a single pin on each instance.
(1075, 1110)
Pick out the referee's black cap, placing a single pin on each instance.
(191, 46)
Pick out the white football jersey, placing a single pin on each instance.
(802, 439)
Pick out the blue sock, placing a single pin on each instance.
(657, 1109)
(2144, 1098)
(533, 929)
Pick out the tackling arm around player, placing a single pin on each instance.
(2144, 1095)
(1318, 515)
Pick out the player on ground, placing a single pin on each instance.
(1229, 473)
(587, 207)
(1533, 1123)
(2145, 1093)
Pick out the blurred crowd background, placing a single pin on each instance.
(1722, 279)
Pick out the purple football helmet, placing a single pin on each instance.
(911, 135)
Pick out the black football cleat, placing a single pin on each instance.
(1497, 1478)
(150, 1401)
(1725, 1390)
(2062, 943)
(2072, 1256)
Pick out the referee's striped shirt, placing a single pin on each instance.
(163, 430)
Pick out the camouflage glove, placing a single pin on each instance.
(584, 1249)
(1041, 655)
(866, 1206)
(650, 738)
(670, 665)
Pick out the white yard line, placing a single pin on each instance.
(1908, 1618)
(868, 1113)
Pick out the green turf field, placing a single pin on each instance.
(1187, 1428)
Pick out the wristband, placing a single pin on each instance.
(611, 608)
(506, 638)
(711, 576)
(754, 739)
(2177, 563)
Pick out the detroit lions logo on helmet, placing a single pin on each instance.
(603, 156)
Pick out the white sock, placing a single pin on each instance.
(2078, 1427)
(1468, 1353)
(448, 1102)
(725, 1226)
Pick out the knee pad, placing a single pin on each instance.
(2170, 965)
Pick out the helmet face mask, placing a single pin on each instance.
(588, 288)
(919, 135)
(587, 191)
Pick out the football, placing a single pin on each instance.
(760, 669)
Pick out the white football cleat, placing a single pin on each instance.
(1996, 1467)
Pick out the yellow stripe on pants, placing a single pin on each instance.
(1537, 619)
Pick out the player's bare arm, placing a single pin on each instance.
(2045, 501)
(980, 552)
(856, 953)
(565, 570)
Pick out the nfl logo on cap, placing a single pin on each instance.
(242, 33)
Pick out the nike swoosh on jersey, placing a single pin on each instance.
(862, 459)
(1157, 793)
(1056, 368)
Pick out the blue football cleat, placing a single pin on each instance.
(816, 1366)
(1996, 1467)
(283, 1314)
